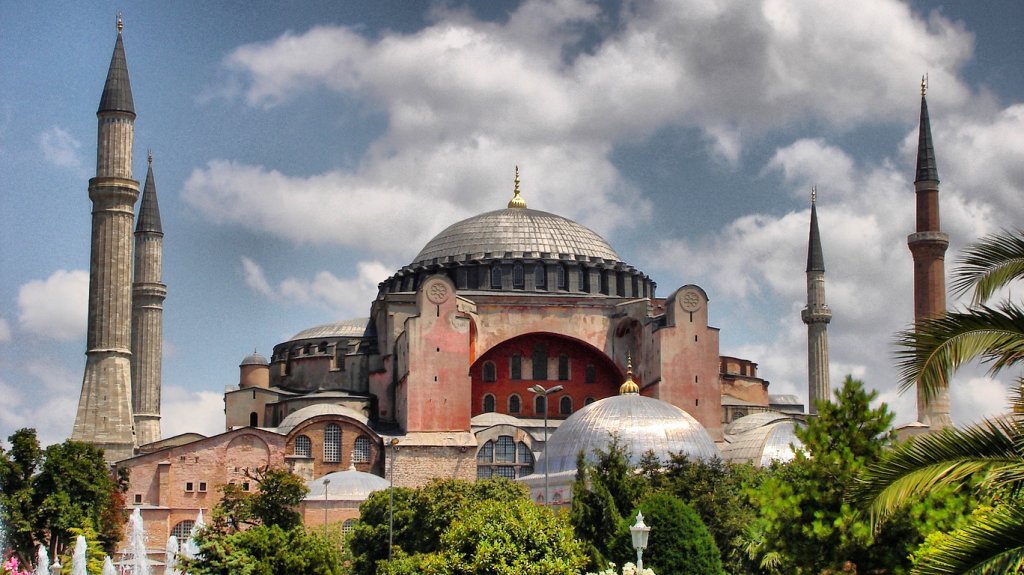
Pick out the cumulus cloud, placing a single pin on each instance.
(187, 411)
(347, 297)
(46, 400)
(57, 307)
(5, 331)
(61, 149)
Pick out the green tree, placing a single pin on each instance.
(929, 353)
(47, 493)
(421, 516)
(679, 542)
(263, 550)
(275, 501)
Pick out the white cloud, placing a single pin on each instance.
(46, 400)
(61, 149)
(57, 307)
(346, 297)
(187, 411)
(5, 331)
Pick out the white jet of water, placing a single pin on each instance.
(42, 562)
(138, 562)
(108, 566)
(171, 561)
(78, 560)
(191, 546)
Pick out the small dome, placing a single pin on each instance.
(295, 418)
(358, 327)
(348, 485)
(254, 359)
(761, 438)
(641, 423)
(516, 230)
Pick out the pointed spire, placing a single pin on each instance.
(629, 387)
(517, 201)
(117, 92)
(149, 208)
(926, 169)
(815, 257)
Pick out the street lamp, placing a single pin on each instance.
(326, 483)
(391, 497)
(639, 531)
(541, 392)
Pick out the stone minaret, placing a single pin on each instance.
(148, 293)
(928, 245)
(816, 315)
(105, 406)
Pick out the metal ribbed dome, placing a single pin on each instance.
(348, 485)
(255, 359)
(348, 328)
(515, 230)
(761, 438)
(641, 423)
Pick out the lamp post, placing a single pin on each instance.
(326, 483)
(391, 497)
(539, 391)
(639, 532)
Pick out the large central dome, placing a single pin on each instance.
(515, 231)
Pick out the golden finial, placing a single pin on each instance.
(629, 387)
(517, 201)
(120, 22)
(814, 194)
(924, 84)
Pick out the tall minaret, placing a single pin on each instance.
(816, 315)
(148, 294)
(928, 245)
(105, 406)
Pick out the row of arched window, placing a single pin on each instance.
(515, 404)
(332, 446)
(504, 457)
(539, 359)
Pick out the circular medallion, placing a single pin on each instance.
(437, 292)
(690, 300)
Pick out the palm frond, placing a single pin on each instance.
(990, 264)
(982, 546)
(936, 347)
(938, 460)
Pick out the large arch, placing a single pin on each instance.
(546, 359)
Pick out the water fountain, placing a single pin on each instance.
(171, 561)
(138, 561)
(42, 562)
(108, 566)
(78, 560)
(191, 546)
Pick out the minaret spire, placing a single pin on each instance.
(816, 315)
(148, 294)
(928, 246)
(104, 415)
(517, 201)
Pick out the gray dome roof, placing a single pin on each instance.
(255, 359)
(761, 438)
(357, 327)
(293, 419)
(348, 485)
(515, 230)
(641, 423)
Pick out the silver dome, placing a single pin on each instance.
(255, 359)
(761, 438)
(641, 423)
(348, 485)
(348, 328)
(515, 230)
(296, 417)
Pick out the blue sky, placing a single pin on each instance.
(305, 150)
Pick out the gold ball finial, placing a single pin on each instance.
(517, 201)
(629, 387)
(924, 84)
(120, 22)
(814, 194)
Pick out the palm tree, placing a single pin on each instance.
(991, 542)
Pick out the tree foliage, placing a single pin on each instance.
(679, 542)
(46, 494)
(262, 550)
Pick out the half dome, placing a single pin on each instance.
(516, 231)
(641, 424)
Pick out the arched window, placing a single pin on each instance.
(563, 367)
(514, 404)
(540, 277)
(496, 276)
(540, 362)
(588, 401)
(303, 446)
(490, 372)
(347, 526)
(584, 282)
(518, 277)
(562, 280)
(182, 531)
(332, 443)
(516, 367)
(488, 403)
(254, 419)
(565, 405)
(539, 403)
(504, 457)
(361, 450)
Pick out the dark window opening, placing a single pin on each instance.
(565, 405)
(540, 362)
(591, 374)
(563, 367)
(516, 367)
(490, 371)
